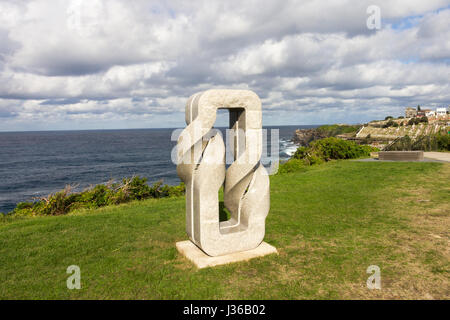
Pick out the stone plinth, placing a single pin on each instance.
(202, 260)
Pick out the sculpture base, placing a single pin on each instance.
(202, 260)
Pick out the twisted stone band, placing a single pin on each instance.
(201, 166)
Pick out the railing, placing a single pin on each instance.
(406, 143)
(389, 146)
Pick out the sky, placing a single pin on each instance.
(91, 64)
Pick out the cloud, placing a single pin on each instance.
(81, 63)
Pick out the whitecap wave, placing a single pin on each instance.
(287, 148)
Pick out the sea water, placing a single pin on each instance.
(34, 164)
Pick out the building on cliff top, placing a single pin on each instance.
(410, 112)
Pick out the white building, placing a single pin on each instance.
(441, 112)
(430, 113)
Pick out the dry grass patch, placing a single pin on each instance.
(423, 248)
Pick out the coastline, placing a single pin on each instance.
(38, 163)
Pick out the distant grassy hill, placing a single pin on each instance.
(329, 223)
(332, 130)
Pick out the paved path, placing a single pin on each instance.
(442, 156)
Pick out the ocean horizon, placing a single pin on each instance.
(37, 163)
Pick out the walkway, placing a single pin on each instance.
(442, 156)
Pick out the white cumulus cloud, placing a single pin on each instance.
(116, 63)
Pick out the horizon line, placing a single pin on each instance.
(158, 128)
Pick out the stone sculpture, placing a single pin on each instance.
(201, 166)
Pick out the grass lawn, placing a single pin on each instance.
(329, 223)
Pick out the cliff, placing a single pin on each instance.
(304, 136)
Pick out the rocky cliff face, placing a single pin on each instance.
(304, 136)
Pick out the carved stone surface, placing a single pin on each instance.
(201, 166)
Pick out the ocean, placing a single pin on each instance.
(34, 164)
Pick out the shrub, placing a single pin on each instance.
(301, 153)
(292, 165)
(334, 148)
(128, 189)
(390, 123)
(24, 205)
(314, 159)
(324, 150)
(424, 119)
(413, 121)
(418, 120)
(331, 149)
(443, 142)
(23, 209)
(335, 129)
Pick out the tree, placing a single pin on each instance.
(390, 123)
(389, 117)
(413, 121)
(418, 107)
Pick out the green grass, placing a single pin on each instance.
(328, 222)
(332, 130)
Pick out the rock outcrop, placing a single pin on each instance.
(304, 136)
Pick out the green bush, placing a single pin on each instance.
(443, 142)
(24, 209)
(127, 190)
(334, 148)
(324, 150)
(292, 165)
(314, 159)
(332, 130)
(301, 153)
(331, 149)
(390, 123)
(417, 120)
(367, 150)
(413, 121)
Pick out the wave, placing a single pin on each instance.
(287, 148)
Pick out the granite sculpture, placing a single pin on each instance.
(202, 167)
